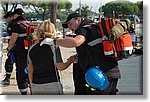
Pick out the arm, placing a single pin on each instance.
(30, 72)
(71, 42)
(12, 40)
(63, 66)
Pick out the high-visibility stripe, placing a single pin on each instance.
(109, 52)
(26, 48)
(94, 42)
(128, 48)
(22, 35)
(117, 47)
(86, 25)
(26, 25)
(8, 73)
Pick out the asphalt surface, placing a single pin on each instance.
(131, 82)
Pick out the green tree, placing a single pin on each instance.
(50, 7)
(30, 15)
(64, 7)
(64, 4)
(40, 7)
(140, 5)
(7, 4)
(85, 11)
(120, 8)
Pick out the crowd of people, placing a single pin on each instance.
(43, 59)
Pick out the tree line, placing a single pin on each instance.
(121, 8)
(59, 9)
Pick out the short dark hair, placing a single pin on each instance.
(18, 11)
(8, 14)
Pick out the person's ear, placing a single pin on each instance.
(77, 21)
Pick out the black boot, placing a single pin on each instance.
(6, 81)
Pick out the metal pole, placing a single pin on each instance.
(80, 7)
(100, 13)
(135, 22)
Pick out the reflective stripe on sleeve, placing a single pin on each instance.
(22, 35)
(94, 42)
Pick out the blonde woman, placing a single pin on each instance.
(43, 62)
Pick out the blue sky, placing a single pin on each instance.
(95, 4)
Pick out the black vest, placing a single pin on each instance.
(42, 60)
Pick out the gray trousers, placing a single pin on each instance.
(53, 88)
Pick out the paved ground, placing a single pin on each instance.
(132, 75)
(130, 83)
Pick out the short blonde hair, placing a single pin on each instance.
(46, 30)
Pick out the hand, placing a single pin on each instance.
(47, 41)
(73, 59)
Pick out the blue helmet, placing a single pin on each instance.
(96, 78)
(26, 70)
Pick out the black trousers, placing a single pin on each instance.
(9, 65)
(21, 76)
(79, 80)
(81, 89)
